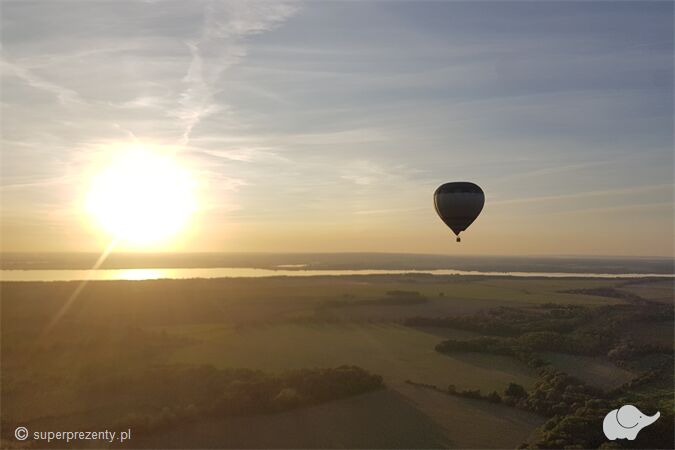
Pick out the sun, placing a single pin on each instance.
(141, 197)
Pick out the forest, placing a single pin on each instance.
(573, 408)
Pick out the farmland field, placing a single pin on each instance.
(117, 337)
(659, 291)
(405, 418)
(594, 371)
(396, 352)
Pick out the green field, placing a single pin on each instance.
(398, 353)
(595, 371)
(408, 417)
(659, 291)
(113, 330)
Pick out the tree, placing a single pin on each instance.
(494, 397)
(515, 390)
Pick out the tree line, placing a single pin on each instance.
(575, 410)
(189, 394)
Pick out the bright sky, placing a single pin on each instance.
(327, 126)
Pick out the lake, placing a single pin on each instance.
(235, 272)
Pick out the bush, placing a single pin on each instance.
(494, 397)
(515, 391)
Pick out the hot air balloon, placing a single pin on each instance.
(458, 204)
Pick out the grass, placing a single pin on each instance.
(395, 352)
(655, 290)
(412, 418)
(594, 371)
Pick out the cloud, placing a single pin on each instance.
(581, 195)
(245, 154)
(143, 101)
(221, 44)
(340, 137)
(335, 113)
(390, 211)
(64, 95)
(662, 207)
(365, 172)
(42, 182)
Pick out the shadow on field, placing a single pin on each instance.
(493, 362)
(382, 419)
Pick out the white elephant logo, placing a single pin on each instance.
(626, 422)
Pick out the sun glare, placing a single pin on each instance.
(141, 197)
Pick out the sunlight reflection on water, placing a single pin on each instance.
(233, 272)
(139, 274)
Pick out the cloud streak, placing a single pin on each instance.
(343, 112)
(221, 45)
(589, 194)
(64, 95)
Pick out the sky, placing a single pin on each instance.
(327, 126)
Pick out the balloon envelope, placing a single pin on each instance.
(459, 204)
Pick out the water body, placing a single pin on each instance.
(230, 272)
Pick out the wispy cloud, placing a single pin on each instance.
(365, 172)
(391, 211)
(337, 112)
(662, 207)
(666, 187)
(42, 182)
(552, 170)
(64, 95)
(246, 154)
(221, 45)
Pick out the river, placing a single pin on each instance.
(231, 272)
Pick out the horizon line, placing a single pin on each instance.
(141, 253)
